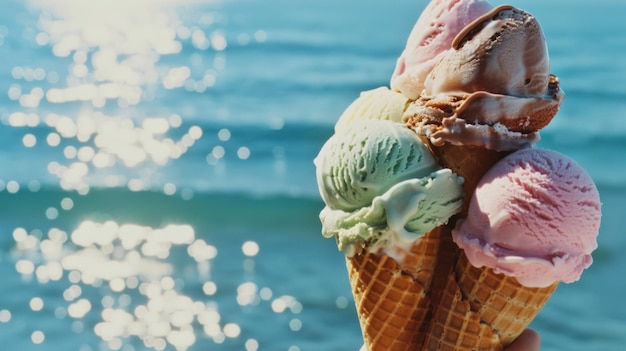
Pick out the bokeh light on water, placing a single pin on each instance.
(142, 302)
(113, 50)
(86, 110)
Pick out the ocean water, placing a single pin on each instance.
(157, 189)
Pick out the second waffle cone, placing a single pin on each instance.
(478, 309)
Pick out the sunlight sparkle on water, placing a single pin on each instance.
(250, 248)
(144, 300)
(131, 286)
(37, 337)
(79, 308)
(109, 140)
(115, 46)
(113, 51)
(5, 316)
(123, 40)
(36, 304)
(108, 252)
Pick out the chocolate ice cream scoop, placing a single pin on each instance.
(502, 52)
(493, 88)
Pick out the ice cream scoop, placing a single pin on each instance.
(493, 89)
(382, 187)
(397, 218)
(361, 162)
(380, 103)
(432, 34)
(534, 216)
(503, 52)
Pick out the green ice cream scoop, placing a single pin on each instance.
(404, 213)
(368, 158)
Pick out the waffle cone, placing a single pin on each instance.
(393, 302)
(502, 302)
(478, 308)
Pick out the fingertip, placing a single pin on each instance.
(529, 340)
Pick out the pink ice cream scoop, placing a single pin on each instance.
(534, 216)
(433, 34)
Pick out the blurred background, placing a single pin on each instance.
(157, 189)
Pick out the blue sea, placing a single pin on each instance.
(157, 189)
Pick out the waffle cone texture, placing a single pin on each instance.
(430, 297)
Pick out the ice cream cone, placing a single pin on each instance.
(393, 302)
(455, 326)
(473, 111)
(478, 309)
(502, 302)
